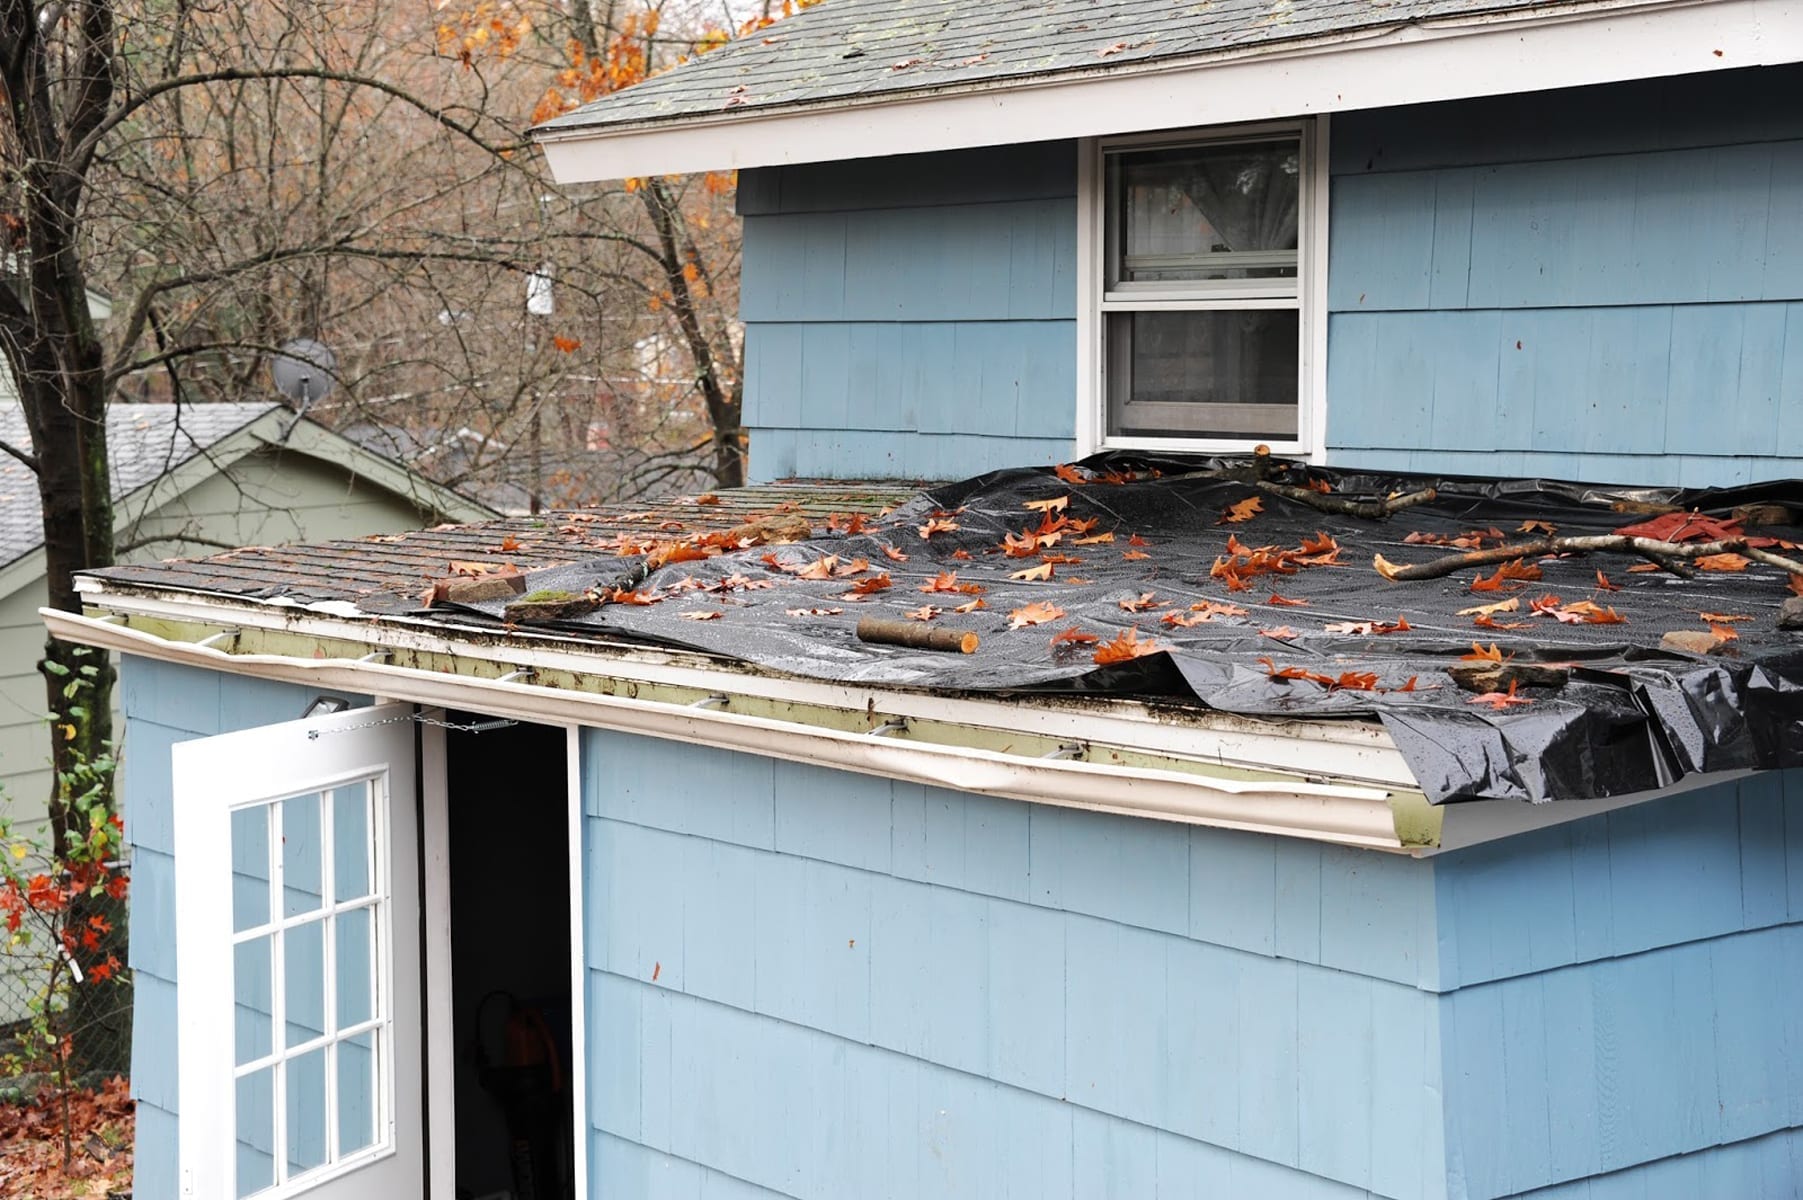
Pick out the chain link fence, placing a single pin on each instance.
(95, 1016)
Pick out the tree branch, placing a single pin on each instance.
(30, 460)
(1666, 554)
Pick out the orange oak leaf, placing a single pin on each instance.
(821, 568)
(937, 525)
(1124, 648)
(1215, 608)
(1722, 562)
(1133, 539)
(894, 555)
(1134, 555)
(1074, 637)
(1479, 654)
(1543, 527)
(1277, 601)
(1071, 475)
(947, 581)
(1034, 614)
(1056, 504)
(1500, 700)
(870, 585)
(1240, 512)
(1178, 620)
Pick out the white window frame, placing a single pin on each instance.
(1311, 287)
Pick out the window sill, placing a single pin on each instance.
(1174, 445)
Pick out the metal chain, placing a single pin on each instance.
(423, 719)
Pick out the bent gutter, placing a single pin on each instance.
(1354, 816)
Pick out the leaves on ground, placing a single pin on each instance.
(31, 1145)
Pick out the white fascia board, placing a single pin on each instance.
(1416, 64)
(1342, 750)
(1347, 815)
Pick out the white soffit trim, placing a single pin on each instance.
(1349, 815)
(1416, 64)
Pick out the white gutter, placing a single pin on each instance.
(1488, 55)
(1357, 816)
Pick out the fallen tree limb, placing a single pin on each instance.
(884, 632)
(1670, 555)
(1328, 502)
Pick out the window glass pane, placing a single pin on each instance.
(356, 1093)
(1225, 211)
(355, 966)
(254, 1115)
(303, 864)
(254, 1011)
(306, 1111)
(350, 842)
(1213, 374)
(304, 981)
(250, 867)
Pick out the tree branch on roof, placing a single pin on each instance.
(1371, 509)
(1670, 555)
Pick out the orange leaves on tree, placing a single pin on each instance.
(1073, 637)
(1124, 648)
(1241, 511)
(1034, 614)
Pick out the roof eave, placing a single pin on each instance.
(1591, 42)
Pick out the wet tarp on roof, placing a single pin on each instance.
(1631, 716)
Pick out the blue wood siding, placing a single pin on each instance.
(163, 705)
(911, 317)
(1620, 299)
(810, 984)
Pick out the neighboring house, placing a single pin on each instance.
(186, 479)
(842, 922)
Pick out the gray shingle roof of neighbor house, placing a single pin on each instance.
(844, 50)
(144, 442)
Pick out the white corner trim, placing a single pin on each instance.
(440, 1050)
(1091, 398)
(1412, 64)
(1349, 815)
(579, 1114)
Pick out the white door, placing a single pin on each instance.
(297, 951)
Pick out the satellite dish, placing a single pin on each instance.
(304, 371)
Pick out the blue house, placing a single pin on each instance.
(429, 897)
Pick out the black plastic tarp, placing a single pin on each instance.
(1630, 716)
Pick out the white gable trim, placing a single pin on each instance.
(1447, 60)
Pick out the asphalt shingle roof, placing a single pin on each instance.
(856, 49)
(144, 442)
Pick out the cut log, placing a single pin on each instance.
(881, 631)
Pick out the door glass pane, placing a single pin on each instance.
(250, 867)
(254, 987)
(355, 967)
(306, 1111)
(255, 1116)
(304, 981)
(1223, 211)
(350, 842)
(1204, 374)
(356, 1093)
(303, 862)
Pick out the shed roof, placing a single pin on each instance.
(1247, 607)
(858, 49)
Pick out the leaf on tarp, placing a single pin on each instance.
(1074, 637)
(1057, 504)
(1134, 555)
(1071, 475)
(1533, 526)
(1726, 633)
(1513, 571)
(1242, 511)
(1144, 601)
(1714, 618)
(1178, 620)
(1500, 700)
(1795, 583)
(894, 555)
(1094, 539)
(870, 585)
(1479, 654)
(937, 525)
(624, 596)
(947, 581)
(820, 568)
(1603, 584)
(1683, 527)
(1277, 601)
(925, 612)
(1722, 562)
(1281, 633)
(1135, 540)
(471, 568)
(1038, 613)
(1512, 604)
(701, 615)
(1038, 574)
(1124, 648)
(1489, 622)
(1215, 608)
(813, 612)
(971, 606)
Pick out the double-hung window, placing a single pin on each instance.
(1203, 317)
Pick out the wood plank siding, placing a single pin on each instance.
(1604, 283)
(911, 317)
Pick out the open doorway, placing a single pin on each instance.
(507, 827)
